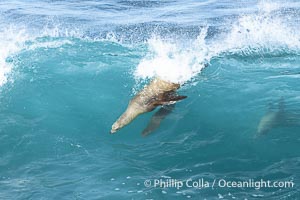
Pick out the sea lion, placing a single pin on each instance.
(271, 119)
(278, 117)
(159, 92)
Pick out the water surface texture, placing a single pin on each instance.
(69, 68)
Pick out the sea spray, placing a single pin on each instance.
(172, 61)
(257, 33)
(12, 41)
(261, 32)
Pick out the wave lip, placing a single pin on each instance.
(14, 39)
(264, 32)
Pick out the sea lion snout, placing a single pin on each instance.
(115, 127)
(112, 131)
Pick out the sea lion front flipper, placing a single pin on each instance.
(168, 99)
(157, 118)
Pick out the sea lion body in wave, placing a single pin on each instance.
(158, 92)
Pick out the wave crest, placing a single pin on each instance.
(260, 33)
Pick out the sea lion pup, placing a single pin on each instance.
(159, 92)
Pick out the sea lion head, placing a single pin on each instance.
(133, 110)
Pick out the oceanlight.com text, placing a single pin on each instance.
(217, 183)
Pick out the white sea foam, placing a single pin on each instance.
(58, 30)
(253, 33)
(172, 61)
(12, 41)
(260, 32)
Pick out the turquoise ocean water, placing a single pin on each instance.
(69, 68)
